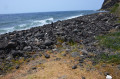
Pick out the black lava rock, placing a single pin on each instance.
(17, 67)
(74, 67)
(83, 78)
(47, 56)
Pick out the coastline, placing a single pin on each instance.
(80, 31)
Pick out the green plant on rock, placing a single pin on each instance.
(116, 9)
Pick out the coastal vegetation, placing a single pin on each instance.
(116, 9)
(110, 40)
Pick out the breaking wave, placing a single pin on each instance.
(27, 25)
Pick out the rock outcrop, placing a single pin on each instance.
(108, 4)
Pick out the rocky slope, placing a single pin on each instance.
(81, 30)
(112, 5)
(109, 4)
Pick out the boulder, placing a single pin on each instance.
(11, 45)
(48, 42)
(3, 44)
(17, 53)
(27, 48)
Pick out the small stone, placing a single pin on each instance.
(74, 67)
(118, 67)
(104, 65)
(94, 63)
(106, 73)
(28, 60)
(75, 54)
(81, 60)
(47, 56)
(63, 77)
(40, 55)
(83, 77)
(88, 69)
(84, 52)
(54, 49)
(64, 54)
(34, 68)
(58, 59)
(81, 65)
(17, 67)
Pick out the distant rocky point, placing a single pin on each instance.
(112, 5)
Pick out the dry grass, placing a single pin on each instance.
(53, 69)
(113, 70)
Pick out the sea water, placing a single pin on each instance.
(23, 21)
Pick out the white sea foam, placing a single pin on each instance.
(27, 25)
(74, 16)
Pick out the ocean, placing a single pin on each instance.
(23, 21)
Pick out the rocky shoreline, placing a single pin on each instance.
(81, 30)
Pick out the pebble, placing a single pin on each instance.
(74, 67)
(47, 56)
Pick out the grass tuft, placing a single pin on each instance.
(110, 59)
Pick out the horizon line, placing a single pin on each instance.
(40, 12)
